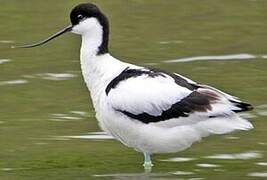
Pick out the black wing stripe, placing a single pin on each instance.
(195, 102)
(182, 82)
(130, 73)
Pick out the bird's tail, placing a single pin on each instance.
(223, 125)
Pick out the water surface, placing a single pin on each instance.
(47, 121)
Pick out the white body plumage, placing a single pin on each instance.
(165, 136)
(152, 95)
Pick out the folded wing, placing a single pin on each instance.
(152, 96)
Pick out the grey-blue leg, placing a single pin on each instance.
(147, 162)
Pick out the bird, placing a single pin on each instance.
(150, 110)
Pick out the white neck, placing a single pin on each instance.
(90, 42)
(97, 70)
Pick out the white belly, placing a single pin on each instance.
(143, 137)
(152, 138)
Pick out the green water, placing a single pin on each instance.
(41, 87)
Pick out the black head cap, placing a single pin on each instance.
(78, 14)
(89, 10)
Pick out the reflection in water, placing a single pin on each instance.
(182, 173)
(150, 64)
(231, 137)
(63, 117)
(171, 42)
(221, 57)
(13, 169)
(153, 176)
(13, 82)
(67, 119)
(262, 163)
(4, 60)
(52, 76)
(262, 113)
(81, 113)
(92, 136)
(263, 106)
(6, 42)
(241, 156)
(179, 159)
(219, 170)
(204, 165)
(71, 116)
(56, 138)
(247, 115)
(40, 143)
(56, 76)
(28, 76)
(133, 176)
(261, 110)
(6, 169)
(258, 174)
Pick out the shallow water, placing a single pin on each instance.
(47, 123)
(214, 58)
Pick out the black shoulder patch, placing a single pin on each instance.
(130, 73)
(195, 102)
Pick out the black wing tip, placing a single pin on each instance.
(243, 106)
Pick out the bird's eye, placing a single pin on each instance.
(80, 17)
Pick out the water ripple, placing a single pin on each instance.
(220, 57)
(240, 156)
(258, 174)
(172, 42)
(70, 116)
(204, 165)
(179, 159)
(262, 113)
(90, 136)
(63, 117)
(2, 61)
(247, 115)
(81, 113)
(13, 82)
(133, 176)
(232, 137)
(6, 41)
(52, 76)
(57, 76)
(262, 106)
(262, 163)
(182, 173)
(13, 169)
